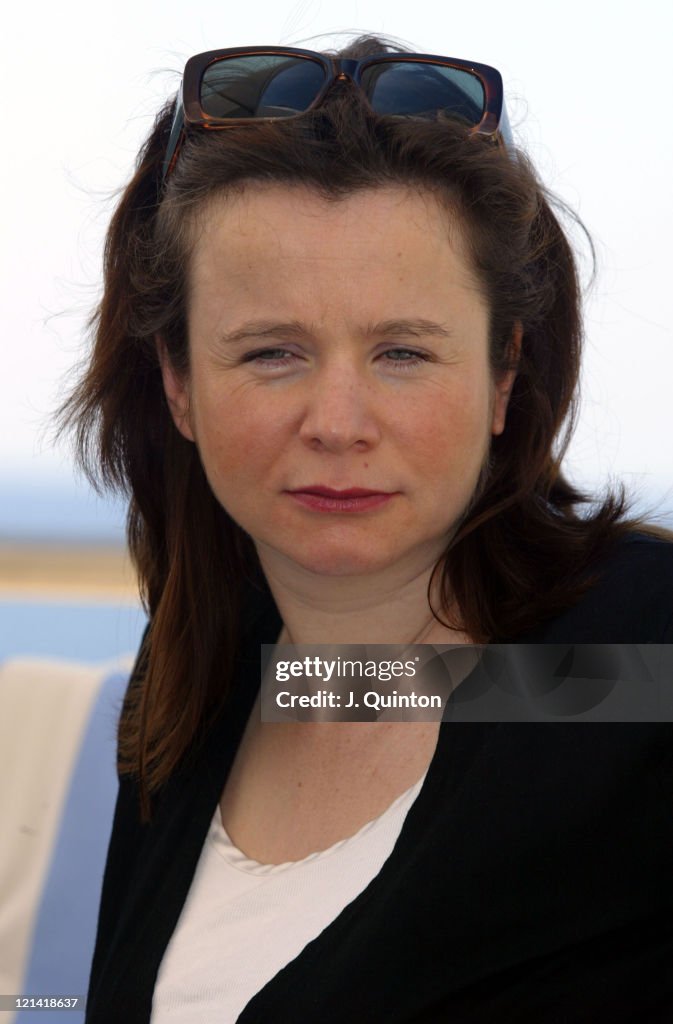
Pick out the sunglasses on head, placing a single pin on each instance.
(224, 88)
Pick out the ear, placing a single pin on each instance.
(176, 389)
(504, 385)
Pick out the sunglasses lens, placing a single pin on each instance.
(405, 87)
(260, 85)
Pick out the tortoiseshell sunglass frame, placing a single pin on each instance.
(190, 114)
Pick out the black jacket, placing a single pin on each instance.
(532, 880)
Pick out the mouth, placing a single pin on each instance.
(328, 499)
(330, 492)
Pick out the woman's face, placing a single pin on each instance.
(337, 346)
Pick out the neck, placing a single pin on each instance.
(386, 608)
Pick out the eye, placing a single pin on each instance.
(270, 357)
(405, 358)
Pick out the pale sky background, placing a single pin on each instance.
(588, 92)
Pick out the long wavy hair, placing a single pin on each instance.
(530, 541)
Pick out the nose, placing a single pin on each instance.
(340, 413)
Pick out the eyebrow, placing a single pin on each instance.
(416, 327)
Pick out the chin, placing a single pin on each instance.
(337, 561)
(342, 564)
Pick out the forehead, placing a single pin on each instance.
(269, 241)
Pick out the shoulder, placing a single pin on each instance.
(629, 601)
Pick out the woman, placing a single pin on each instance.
(333, 362)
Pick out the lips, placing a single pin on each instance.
(318, 498)
(330, 492)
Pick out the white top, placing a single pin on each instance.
(243, 921)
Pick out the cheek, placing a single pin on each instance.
(237, 433)
(450, 427)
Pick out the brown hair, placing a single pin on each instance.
(522, 553)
